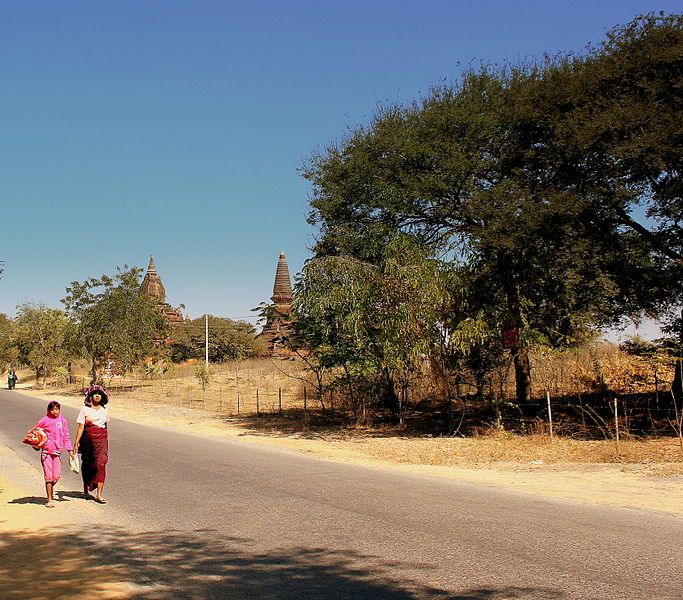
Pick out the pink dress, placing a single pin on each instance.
(58, 439)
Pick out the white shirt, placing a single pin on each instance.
(90, 415)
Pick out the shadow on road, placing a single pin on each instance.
(28, 500)
(110, 563)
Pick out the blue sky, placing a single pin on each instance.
(176, 129)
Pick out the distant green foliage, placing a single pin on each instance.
(9, 353)
(228, 340)
(42, 338)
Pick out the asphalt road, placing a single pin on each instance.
(190, 517)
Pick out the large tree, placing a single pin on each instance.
(435, 170)
(480, 168)
(606, 129)
(115, 320)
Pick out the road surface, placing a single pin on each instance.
(190, 517)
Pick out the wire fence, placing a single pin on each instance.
(226, 398)
(597, 397)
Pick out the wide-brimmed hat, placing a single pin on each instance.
(91, 390)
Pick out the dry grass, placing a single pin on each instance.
(511, 448)
(397, 445)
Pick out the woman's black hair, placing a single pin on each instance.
(54, 404)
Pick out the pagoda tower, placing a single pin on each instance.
(153, 287)
(282, 301)
(151, 284)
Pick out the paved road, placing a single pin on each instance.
(209, 518)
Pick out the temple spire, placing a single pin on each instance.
(277, 324)
(282, 288)
(151, 284)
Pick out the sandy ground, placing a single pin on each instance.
(30, 533)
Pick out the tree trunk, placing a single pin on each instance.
(93, 372)
(520, 352)
(677, 385)
(522, 375)
(392, 401)
(351, 394)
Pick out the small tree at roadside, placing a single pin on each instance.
(203, 374)
(115, 320)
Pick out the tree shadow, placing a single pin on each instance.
(116, 563)
(316, 425)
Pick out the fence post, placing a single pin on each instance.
(305, 402)
(550, 413)
(616, 426)
(583, 413)
(279, 397)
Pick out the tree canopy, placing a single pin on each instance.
(115, 320)
(556, 183)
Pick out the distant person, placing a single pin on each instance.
(92, 441)
(58, 439)
(12, 379)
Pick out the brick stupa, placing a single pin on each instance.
(152, 286)
(282, 301)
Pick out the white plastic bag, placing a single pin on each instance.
(74, 463)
